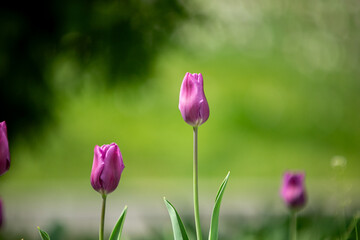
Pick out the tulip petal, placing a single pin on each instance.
(97, 169)
(4, 149)
(113, 167)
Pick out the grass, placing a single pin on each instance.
(265, 118)
(315, 226)
(282, 83)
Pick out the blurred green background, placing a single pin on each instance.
(283, 84)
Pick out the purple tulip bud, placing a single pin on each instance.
(293, 190)
(1, 213)
(107, 168)
(4, 149)
(193, 105)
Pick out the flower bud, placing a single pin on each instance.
(293, 190)
(107, 168)
(193, 105)
(4, 149)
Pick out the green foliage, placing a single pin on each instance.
(116, 233)
(109, 36)
(43, 234)
(352, 228)
(177, 225)
(311, 225)
(213, 233)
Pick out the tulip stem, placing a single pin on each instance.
(195, 186)
(102, 222)
(293, 225)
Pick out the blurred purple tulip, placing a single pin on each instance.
(107, 168)
(4, 149)
(193, 105)
(293, 190)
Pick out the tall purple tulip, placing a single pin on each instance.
(4, 149)
(293, 190)
(193, 105)
(107, 168)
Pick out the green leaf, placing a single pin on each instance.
(214, 225)
(43, 234)
(352, 226)
(177, 224)
(116, 233)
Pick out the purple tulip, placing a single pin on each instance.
(1, 213)
(193, 105)
(107, 168)
(4, 149)
(293, 190)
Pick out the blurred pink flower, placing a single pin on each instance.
(193, 105)
(4, 149)
(293, 190)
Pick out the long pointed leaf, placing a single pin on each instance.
(43, 234)
(177, 225)
(351, 227)
(214, 225)
(116, 233)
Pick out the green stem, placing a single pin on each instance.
(293, 225)
(102, 221)
(195, 186)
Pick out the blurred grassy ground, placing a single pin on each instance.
(283, 88)
(282, 83)
(262, 122)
